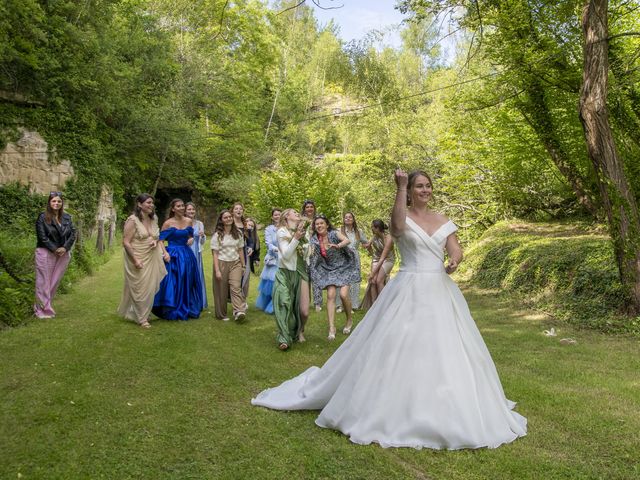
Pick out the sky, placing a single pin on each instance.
(357, 17)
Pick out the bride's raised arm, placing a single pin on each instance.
(399, 212)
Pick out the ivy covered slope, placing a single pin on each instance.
(566, 270)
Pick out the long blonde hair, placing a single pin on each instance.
(283, 217)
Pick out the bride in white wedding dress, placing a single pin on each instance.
(415, 372)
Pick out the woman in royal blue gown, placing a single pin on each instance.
(180, 294)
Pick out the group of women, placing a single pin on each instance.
(414, 373)
(166, 280)
(305, 256)
(169, 280)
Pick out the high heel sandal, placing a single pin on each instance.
(346, 330)
(332, 335)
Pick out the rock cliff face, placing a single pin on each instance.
(27, 162)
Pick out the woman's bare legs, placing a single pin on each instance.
(331, 311)
(379, 282)
(348, 311)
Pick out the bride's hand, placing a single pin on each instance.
(451, 267)
(401, 178)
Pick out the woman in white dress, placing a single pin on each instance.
(415, 372)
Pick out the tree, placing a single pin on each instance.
(618, 198)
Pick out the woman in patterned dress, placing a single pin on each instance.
(308, 214)
(333, 267)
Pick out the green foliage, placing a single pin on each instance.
(291, 181)
(19, 209)
(567, 270)
(16, 296)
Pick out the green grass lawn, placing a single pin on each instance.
(89, 395)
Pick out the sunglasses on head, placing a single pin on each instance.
(55, 194)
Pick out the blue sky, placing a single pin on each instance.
(357, 17)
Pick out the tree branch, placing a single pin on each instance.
(221, 20)
(624, 34)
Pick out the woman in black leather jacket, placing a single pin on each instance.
(56, 235)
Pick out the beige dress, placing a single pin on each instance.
(141, 285)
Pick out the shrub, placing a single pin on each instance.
(568, 270)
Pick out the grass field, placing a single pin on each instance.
(88, 395)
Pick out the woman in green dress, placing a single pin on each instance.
(291, 287)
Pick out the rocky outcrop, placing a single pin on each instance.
(27, 161)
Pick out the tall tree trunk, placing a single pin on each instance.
(617, 198)
(163, 160)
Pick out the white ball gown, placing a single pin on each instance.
(415, 372)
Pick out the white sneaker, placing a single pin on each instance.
(225, 319)
(339, 309)
(240, 317)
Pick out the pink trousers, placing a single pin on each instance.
(49, 271)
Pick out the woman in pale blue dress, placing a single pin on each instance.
(267, 277)
(199, 239)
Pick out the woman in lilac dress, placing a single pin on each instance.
(180, 294)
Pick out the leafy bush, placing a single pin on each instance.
(568, 270)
